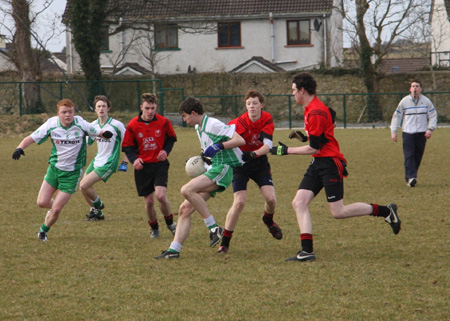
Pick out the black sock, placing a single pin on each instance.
(226, 238)
(307, 242)
(268, 219)
(169, 219)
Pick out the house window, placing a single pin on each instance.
(298, 32)
(166, 36)
(104, 38)
(229, 34)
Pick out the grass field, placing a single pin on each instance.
(106, 271)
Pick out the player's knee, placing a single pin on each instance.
(271, 203)
(43, 203)
(239, 205)
(299, 203)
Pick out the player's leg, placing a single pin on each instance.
(192, 192)
(91, 196)
(270, 202)
(239, 199)
(164, 205)
(60, 201)
(183, 228)
(151, 215)
(409, 147)
(45, 195)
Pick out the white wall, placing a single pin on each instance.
(440, 29)
(200, 51)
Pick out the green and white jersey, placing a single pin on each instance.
(69, 144)
(212, 131)
(108, 150)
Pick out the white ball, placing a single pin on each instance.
(195, 166)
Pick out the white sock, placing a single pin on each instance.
(209, 221)
(175, 246)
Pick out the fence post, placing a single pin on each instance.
(138, 87)
(290, 109)
(344, 105)
(20, 100)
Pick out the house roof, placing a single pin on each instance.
(257, 64)
(132, 9)
(134, 68)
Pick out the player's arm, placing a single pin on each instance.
(27, 141)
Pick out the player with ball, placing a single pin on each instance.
(220, 143)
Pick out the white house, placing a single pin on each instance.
(219, 36)
(440, 33)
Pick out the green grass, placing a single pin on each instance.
(106, 271)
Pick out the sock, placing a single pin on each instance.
(268, 218)
(97, 203)
(154, 225)
(380, 210)
(44, 228)
(169, 219)
(226, 238)
(210, 222)
(175, 247)
(307, 242)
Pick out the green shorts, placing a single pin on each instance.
(222, 175)
(66, 182)
(104, 172)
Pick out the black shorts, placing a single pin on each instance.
(257, 169)
(153, 174)
(323, 172)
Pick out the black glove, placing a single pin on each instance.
(206, 159)
(17, 153)
(279, 150)
(107, 134)
(299, 135)
(247, 156)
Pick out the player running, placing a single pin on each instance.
(220, 142)
(148, 141)
(327, 169)
(105, 161)
(256, 127)
(68, 157)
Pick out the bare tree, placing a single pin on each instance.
(373, 26)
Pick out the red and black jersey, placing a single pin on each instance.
(146, 139)
(254, 132)
(319, 125)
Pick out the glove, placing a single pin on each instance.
(17, 153)
(213, 150)
(207, 160)
(299, 135)
(123, 167)
(279, 150)
(107, 134)
(247, 156)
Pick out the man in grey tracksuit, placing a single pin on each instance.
(418, 118)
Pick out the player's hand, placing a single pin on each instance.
(299, 135)
(123, 167)
(17, 153)
(248, 156)
(206, 159)
(107, 134)
(213, 150)
(279, 150)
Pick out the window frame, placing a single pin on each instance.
(229, 24)
(165, 28)
(298, 43)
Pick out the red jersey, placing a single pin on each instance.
(319, 125)
(254, 132)
(148, 138)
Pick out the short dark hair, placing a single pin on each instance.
(305, 81)
(150, 98)
(417, 81)
(191, 104)
(253, 94)
(102, 98)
